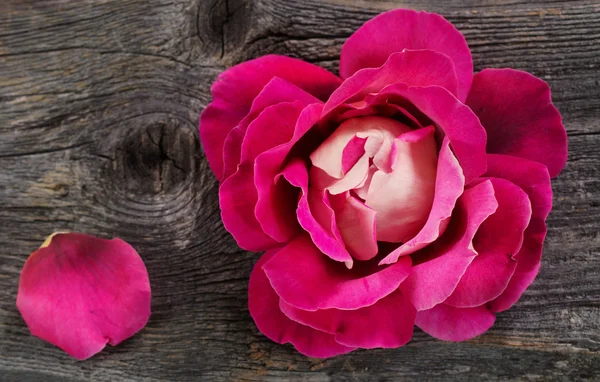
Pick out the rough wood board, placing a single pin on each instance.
(99, 102)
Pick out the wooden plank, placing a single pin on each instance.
(99, 105)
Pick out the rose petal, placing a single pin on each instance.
(530, 176)
(455, 324)
(399, 29)
(440, 265)
(449, 186)
(403, 198)
(386, 324)
(238, 195)
(305, 278)
(276, 203)
(534, 179)
(516, 110)
(235, 90)
(315, 217)
(356, 223)
(412, 67)
(455, 120)
(528, 266)
(497, 240)
(274, 92)
(328, 156)
(80, 292)
(263, 304)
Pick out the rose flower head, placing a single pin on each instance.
(407, 192)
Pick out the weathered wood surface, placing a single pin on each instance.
(99, 103)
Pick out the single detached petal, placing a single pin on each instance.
(403, 198)
(439, 267)
(455, 324)
(305, 278)
(81, 292)
(498, 239)
(412, 67)
(533, 178)
(396, 30)
(263, 304)
(449, 185)
(235, 90)
(454, 120)
(516, 110)
(386, 324)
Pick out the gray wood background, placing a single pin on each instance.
(99, 104)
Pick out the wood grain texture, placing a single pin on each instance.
(99, 103)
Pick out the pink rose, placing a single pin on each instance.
(407, 192)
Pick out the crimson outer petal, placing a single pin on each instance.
(81, 292)
(236, 88)
(534, 179)
(396, 30)
(411, 67)
(305, 278)
(240, 195)
(390, 322)
(263, 304)
(516, 110)
(448, 323)
(441, 265)
(497, 240)
(454, 119)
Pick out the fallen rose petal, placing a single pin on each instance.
(399, 29)
(81, 292)
(516, 110)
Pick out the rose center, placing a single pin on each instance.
(379, 175)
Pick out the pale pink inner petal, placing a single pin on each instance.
(384, 173)
(356, 223)
(449, 186)
(403, 198)
(329, 155)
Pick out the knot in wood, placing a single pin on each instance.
(157, 159)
